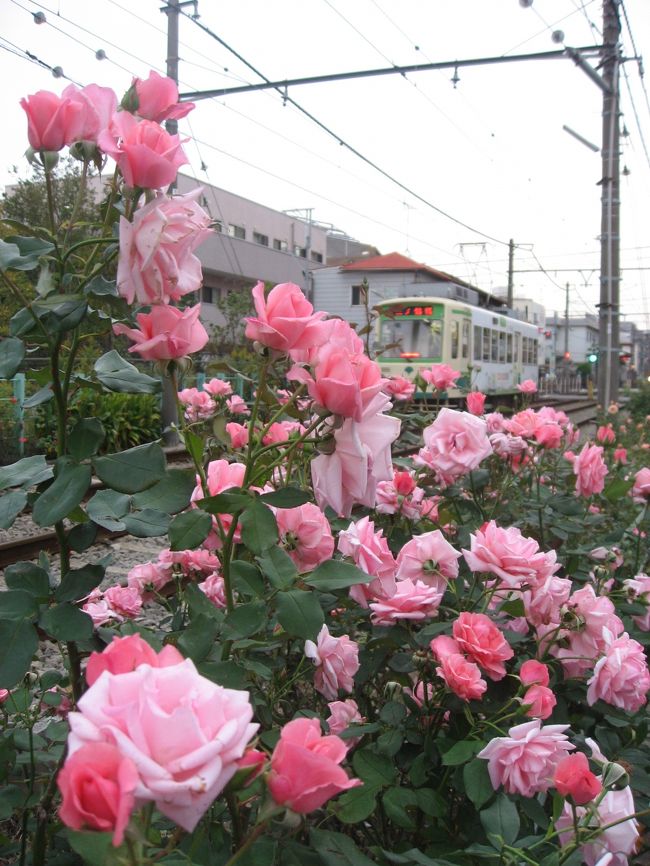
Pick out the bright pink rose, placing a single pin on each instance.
(148, 577)
(639, 589)
(305, 770)
(214, 588)
(218, 388)
(97, 104)
(125, 654)
(221, 476)
(513, 557)
(621, 676)
(412, 600)
(166, 333)
(475, 402)
(462, 676)
(443, 645)
(306, 534)
(342, 715)
(97, 784)
(4, 695)
(574, 779)
(533, 673)
(590, 469)
(51, 120)
(614, 844)
(428, 558)
(336, 660)
(192, 562)
(540, 701)
(237, 405)
(605, 434)
(454, 444)
(549, 435)
(524, 762)
(620, 455)
(369, 551)
(399, 388)
(124, 600)
(157, 262)
(361, 459)
(285, 319)
(183, 732)
(147, 156)
(441, 377)
(157, 97)
(527, 387)
(481, 640)
(641, 490)
(199, 405)
(238, 435)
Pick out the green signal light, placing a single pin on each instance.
(592, 358)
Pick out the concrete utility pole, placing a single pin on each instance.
(511, 273)
(567, 354)
(609, 310)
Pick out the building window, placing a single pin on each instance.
(300, 251)
(237, 232)
(359, 296)
(208, 295)
(261, 239)
(279, 245)
(317, 257)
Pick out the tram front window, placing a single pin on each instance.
(411, 338)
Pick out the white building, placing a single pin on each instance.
(529, 311)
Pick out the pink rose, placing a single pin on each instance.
(125, 654)
(540, 701)
(306, 534)
(621, 676)
(524, 762)
(549, 435)
(620, 838)
(527, 387)
(443, 645)
(441, 377)
(336, 660)
(184, 734)
(428, 558)
(574, 779)
(238, 435)
(97, 784)
(157, 262)
(641, 490)
(605, 434)
(639, 589)
(51, 120)
(475, 402)
(214, 588)
(495, 422)
(98, 609)
(199, 404)
(585, 639)
(166, 333)
(533, 673)
(544, 600)
(147, 156)
(157, 97)
(237, 405)
(412, 600)
(590, 469)
(342, 715)
(285, 319)
(221, 476)
(369, 551)
(192, 562)
(149, 577)
(126, 601)
(481, 640)
(399, 388)
(620, 455)
(305, 770)
(511, 556)
(454, 445)
(462, 676)
(4, 695)
(97, 107)
(218, 388)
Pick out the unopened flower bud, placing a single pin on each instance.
(130, 101)
(615, 776)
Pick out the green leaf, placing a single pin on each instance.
(259, 530)
(514, 607)
(335, 849)
(502, 819)
(116, 374)
(373, 769)
(245, 620)
(94, 848)
(431, 802)
(336, 574)
(17, 604)
(11, 504)
(22, 254)
(107, 508)
(66, 622)
(228, 674)
(148, 523)
(60, 313)
(63, 495)
(286, 497)
(617, 489)
(171, 494)
(189, 529)
(300, 614)
(247, 579)
(41, 396)
(12, 352)
(356, 804)
(278, 566)
(198, 638)
(78, 582)
(25, 473)
(18, 645)
(28, 576)
(194, 445)
(86, 437)
(478, 786)
(133, 470)
(400, 805)
(225, 503)
(82, 536)
(102, 288)
(461, 752)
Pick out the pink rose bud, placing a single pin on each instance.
(574, 779)
(166, 333)
(534, 673)
(475, 402)
(157, 98)
(51, 120)
(540, 701)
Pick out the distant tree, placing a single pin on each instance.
(233, 306)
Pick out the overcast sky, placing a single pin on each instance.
(489, 151)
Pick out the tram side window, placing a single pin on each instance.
(494, 341)
(486, 344)
(464, 341)
(477, 343)
(517, 348)
(454, 339)
(524, 350)
(502, 347)
(527, 352)
(509, 349)
(535, 359)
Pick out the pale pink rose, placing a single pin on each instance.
(550, 415)
(506, 445)
(513, 557)
(534, 673)
(149, 577)
(218, 388)
(620, 455)
(641, 490)
(125, 654)
(444, 645)
(336, 660)
(198, 404)
(342, 715)
(462, 676)
(454, 445)
(621, 676)
(98, 104)
(147, 156)
(540, 701)
(166, 333)
(192, 562)
(124, 600)
(333, 332)
(614, 844)
(412, 600)
(361, 459)
(386, 500)
(574, 779)
(51, 120)
(441, 377)
(590, 469)
(495, 422)
(544, 599)
(157, 98)
(99, 610)
(281, 431)
(285, 319)
(399, 388)
(428, 558)
(305, 771)
(605, 434)
(97, 785)
(213, 587)
(183, 732)
(306, 535)
(639, 589)
(238, 434)
(157, 262)
(237, 405)
(585, 638)
(524, 762)
(221, 476)
(483, 642)
(475, 402)
(368, 549)
(527, 387)
(525, 423)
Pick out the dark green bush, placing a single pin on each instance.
(639, 402)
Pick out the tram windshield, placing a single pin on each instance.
(410, 338)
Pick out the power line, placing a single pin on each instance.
(24, 54)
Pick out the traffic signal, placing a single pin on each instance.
(592, 357)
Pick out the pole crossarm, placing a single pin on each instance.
(562, 54)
